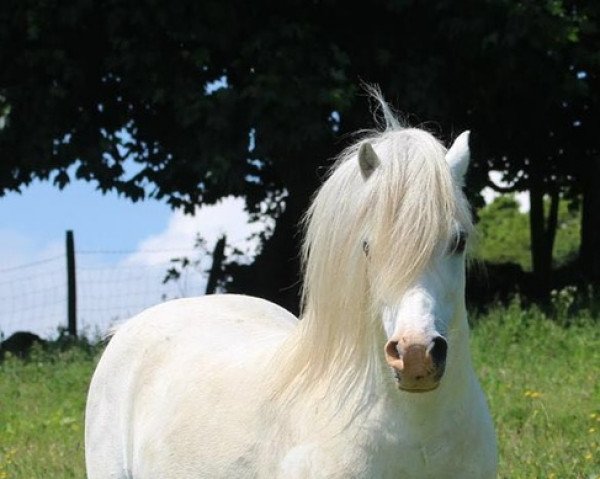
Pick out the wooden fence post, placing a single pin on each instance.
(71, 286)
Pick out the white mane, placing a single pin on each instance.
(407, 210)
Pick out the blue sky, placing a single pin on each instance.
(41, 214)
(111, 287)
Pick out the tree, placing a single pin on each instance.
(531, 103)
(89, 87)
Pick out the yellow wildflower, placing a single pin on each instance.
(532, 394)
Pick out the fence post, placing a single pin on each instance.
(217, 260)
(71, 286)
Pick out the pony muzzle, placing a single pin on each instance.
(417, 367)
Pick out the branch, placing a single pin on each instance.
(502, 189)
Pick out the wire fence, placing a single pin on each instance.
(34, 290)
(110, 286)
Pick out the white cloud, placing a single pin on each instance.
(226, 217)
(113, 293)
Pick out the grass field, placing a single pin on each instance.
(541, 378)
(542, 381)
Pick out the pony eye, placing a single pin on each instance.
(365, 247)
(459, 242)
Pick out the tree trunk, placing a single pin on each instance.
(275, 273)
(537, 230)
(542, 232)
(551, 225)
(216, 270)
(589, 252)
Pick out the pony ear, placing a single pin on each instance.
(367, 159)
(458, 156)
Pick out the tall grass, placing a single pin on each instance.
(42, 401)
(542, 383)
(541, 379)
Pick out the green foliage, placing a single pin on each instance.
(504, 235)
(568, 235)
(539, 376)
(89, 71)
(76, 75)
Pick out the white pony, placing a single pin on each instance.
(376, 379)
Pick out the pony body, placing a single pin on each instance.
(230, 385)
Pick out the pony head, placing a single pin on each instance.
(414, 247)
(384, 262)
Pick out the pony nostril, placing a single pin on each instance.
(438, 350)
(391, 350)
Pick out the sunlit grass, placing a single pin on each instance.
(41, 415)
(543, 385)
(541, 379)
